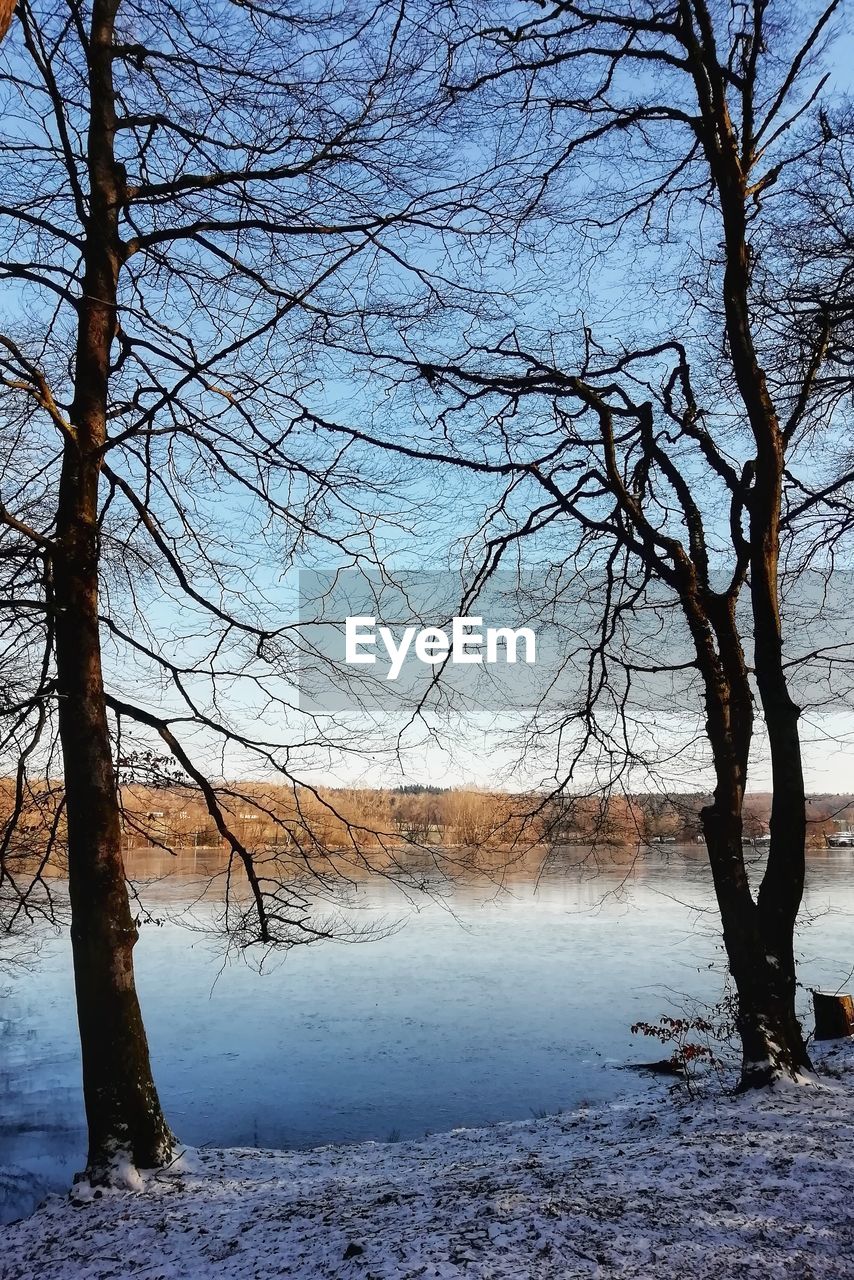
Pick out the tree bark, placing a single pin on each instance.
(782, 886)
(758, 935)
(125, 1120)
(773, 1039)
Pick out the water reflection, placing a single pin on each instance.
(496, 1004)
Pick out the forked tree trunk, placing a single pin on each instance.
(126, 1124)
(759, 939)
(758, 935)
(763, 970)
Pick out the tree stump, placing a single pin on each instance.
(834, 1016)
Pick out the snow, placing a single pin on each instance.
(658, 1187)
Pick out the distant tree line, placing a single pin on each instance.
(305, 823)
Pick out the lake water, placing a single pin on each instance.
(489, 1008)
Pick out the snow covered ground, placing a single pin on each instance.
(657, 1187)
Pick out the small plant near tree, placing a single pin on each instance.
(701, 1042)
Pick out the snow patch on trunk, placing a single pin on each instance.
(120, 1174)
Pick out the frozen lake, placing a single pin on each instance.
(488, 1009)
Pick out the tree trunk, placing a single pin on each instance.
(758, 935)
(122, 1108)
(771, 1038)
(782, 885)
(774, 1043)
(125, 1121)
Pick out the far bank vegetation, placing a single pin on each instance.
(302, 820)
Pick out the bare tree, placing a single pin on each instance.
(195, 197)
(663, 155)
